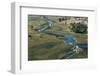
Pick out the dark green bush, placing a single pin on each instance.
(78, 28)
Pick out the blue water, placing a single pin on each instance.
(84, 46)
(45, 26)
(42, 29)
(69, 39)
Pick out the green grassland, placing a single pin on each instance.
(42, 46)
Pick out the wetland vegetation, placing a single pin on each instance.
(57, 37)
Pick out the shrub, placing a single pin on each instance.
(78, 28)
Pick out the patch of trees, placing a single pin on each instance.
(78, 28)
(63, 18)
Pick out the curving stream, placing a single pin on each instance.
(68, 39)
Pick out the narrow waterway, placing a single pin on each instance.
(68, 39)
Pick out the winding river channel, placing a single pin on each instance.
(68, 39)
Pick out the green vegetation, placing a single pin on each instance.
(78, 28)
(43, 46)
